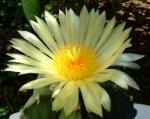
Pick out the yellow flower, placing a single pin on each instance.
(76, 54)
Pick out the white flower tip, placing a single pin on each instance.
(6, 69)
(103, 14)
(33, 23)
(61, 12)
(66, 10)
(137, 88)
(84, 7)
(71, 11)
(141, 56)
(37, 18)
(9, 54)
(55, 93)
(21, 73)
(25, 87)
(47, 15)
(22, 89)
(123, 24)
(19, 31)
(113, 19)
(100, 114)
(130, 28)
(12, 41)
(22, 33)
(130, 45)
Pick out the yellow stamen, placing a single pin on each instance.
(75, 62)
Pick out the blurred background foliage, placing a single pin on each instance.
(12, 18)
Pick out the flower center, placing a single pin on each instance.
(75, 62)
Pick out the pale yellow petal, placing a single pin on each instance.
(19, 58)
(71, 102)
(39, 83)
(90, 100)
(102, 76)
(74, 24)
(54, 28)
(127, 64)
(123, 80)
(106, 33)
(112, 40)
(60, 100)
(71, 26)
(83, 25)
(29, 50)
(24, 69)
(108, 60)
(105, 100)
(130, 57)
(114, 45)
(99, 26)
(58, 103)
(36, 42)
(62, 20)
(91, 33)
(44, 33)
(58, 88)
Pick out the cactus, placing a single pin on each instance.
(38, 106)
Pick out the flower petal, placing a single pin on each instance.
(123, 80)
(102, 76)
(105, 63)
(24, 69)
(36, 42)
(61, 99)
(23, 59)
(91, 102)
(114, 45)
(58, 88)
(71, 26)
(62, 20)
(105, 100)
(127, 64)
(92, 28)
(130, 57)
(83, 25)
(39, 83)
(44, 33)
(112, 40)
(29, 50)
(106, 33)
(99, 26)
(54, 28)
(71, 102)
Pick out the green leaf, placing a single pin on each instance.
(73, 115)
(31, 8)
(3, 111)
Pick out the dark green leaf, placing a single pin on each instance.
(31, 8)
(3, 111)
